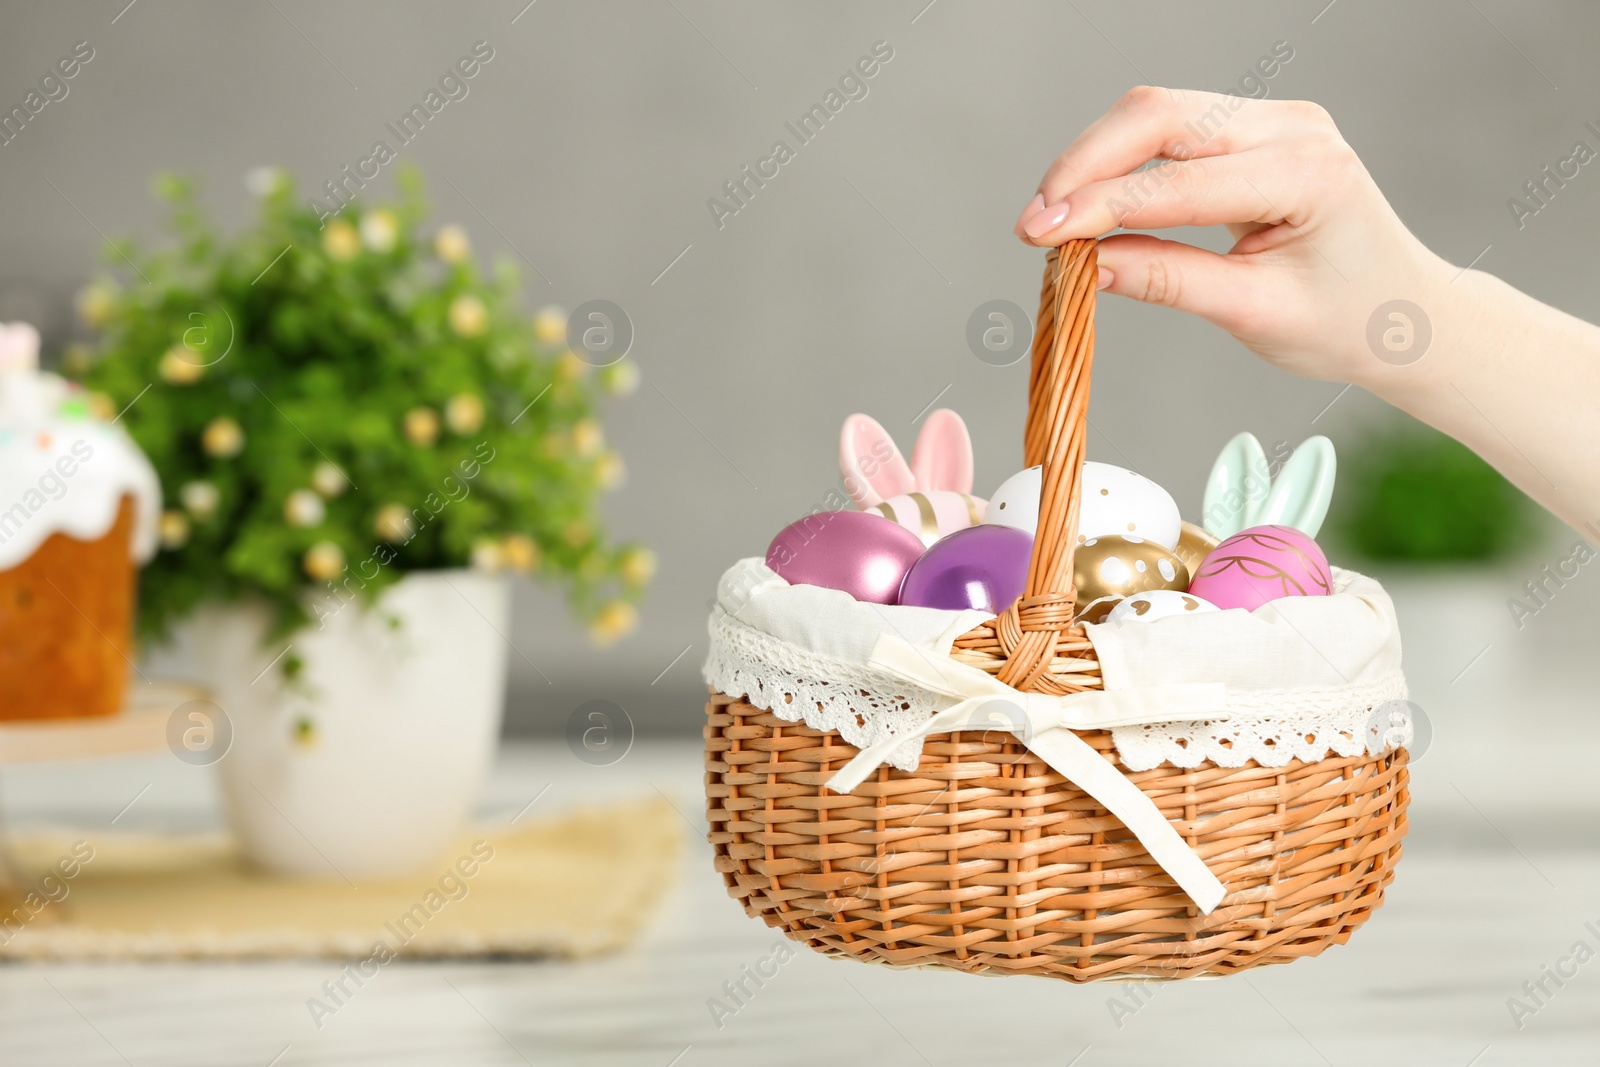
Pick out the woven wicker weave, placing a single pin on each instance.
(984, 859)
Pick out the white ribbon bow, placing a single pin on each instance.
(1045, 724)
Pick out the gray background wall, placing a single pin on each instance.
(594, 138)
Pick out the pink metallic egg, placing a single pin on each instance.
(859, 552)
(933, 513)
(1260, 564)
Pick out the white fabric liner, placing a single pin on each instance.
(1299, 678)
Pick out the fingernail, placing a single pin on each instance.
(1103, 279)
(1045, 220)
(1034, 207)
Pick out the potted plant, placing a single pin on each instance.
(359, 436)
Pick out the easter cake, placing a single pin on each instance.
(79, 506)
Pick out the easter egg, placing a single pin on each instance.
(1115, 501)
(1096, 610)
(1260, 564)
(932, 513)
(1195, 544)
(1158, 604)
(1118, 502)
(857, 552)
(1122, 566)
(1016, 502)
(981, 567)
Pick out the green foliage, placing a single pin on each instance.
(1412, 494)
(465, 434)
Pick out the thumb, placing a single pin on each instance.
(1215, 287)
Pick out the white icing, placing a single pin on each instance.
(62, 471)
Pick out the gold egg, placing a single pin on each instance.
(1195, 544)
(1114, 566)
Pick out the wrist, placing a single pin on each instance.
(1413, 343)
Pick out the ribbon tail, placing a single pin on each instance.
(1086, 768)
(875, 755)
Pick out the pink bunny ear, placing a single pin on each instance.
(872, 466)
(942, 458)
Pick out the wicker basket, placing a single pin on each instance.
(986, 860)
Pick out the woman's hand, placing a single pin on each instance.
(1318, 247)
(1318, 255)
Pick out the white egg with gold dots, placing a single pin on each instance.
(1115, 502)
(1159, 604)
(1119, 502)
(1016, 502)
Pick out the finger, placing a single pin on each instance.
(1254, 188)
(1027, 213)
(1154, 123)
(1226, 290)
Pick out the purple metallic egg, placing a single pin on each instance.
(859, 552)
(982, 567)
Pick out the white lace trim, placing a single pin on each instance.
(866, 706)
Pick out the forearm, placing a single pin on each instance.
(1515, 380)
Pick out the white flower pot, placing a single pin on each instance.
(403, 702)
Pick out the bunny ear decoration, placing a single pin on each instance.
(942, 458)
(1237, 488)
(873, 467)
(1303, 489)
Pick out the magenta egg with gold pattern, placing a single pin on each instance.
(1260, 564)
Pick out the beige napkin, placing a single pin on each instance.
(570, 885)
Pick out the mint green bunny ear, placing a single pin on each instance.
(1237, 488)
(1303, 489)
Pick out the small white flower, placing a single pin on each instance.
(324, 561)
(222, 438)
(468, 316)
(328, 479)
(340, 241)
(263, 181)
(393, 524)
(550, 326)
(464, 413)
(200, 499)
(421, 426)
(452, 245)
(487, 556)
(380, 230)
(620, 378)
(173, 529)
(304, 508)
(519, 553)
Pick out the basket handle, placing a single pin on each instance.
(1031, 630)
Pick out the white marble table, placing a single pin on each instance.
(1477, 909)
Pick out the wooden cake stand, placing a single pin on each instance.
(140, 727)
